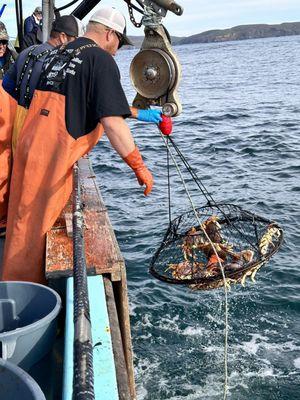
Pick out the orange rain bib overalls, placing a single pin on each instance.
(7, 113)
(78, 88)
(41, 184)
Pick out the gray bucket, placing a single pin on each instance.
(16, 384)
(28, 314)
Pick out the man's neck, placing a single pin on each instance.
(36, 20)
(53, 42)
(94, 37)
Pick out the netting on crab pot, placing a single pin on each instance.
(197, 241)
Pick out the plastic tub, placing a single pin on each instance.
(16, 384)
(28, 319)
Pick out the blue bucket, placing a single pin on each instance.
(28, 320)
(16, 384)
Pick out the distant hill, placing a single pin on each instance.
(240, 32)
(138, 40)
(243, 32)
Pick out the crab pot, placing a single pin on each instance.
(243, 241)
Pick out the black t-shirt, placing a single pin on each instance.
(89, 79)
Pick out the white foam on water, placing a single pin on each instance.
(263, 373)
(213, 349)
(194, 331)
(169, 324)
(282, 347)
(297, 362)
(235, 380)
(241, 379)
(217, 320)
(212, 389)
(253, 345)
(163, 383)
(141, 392)
(132, 307)
(145, 337)
(267, 320)
(145, 322)
(144, 371)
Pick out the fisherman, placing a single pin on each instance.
(7, 112)
(6, 54)
(20, 81)
(23, 76)
(34, 21)
(33, 33)
(78, 98)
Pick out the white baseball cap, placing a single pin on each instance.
(112, 18)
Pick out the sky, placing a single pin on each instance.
(198, 15)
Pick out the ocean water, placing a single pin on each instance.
(240, 131)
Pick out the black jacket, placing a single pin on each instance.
(9, 60)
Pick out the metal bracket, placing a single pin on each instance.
(161, 7)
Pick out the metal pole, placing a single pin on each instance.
(48, 15)
(83, 378)
(84, 8)
(19, 17)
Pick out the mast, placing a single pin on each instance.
(19, 16)
(48, 15)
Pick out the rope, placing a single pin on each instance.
(169, 186)
(206, 194)
(219, 263)
(193, 174)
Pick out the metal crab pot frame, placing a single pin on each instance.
(240, 230)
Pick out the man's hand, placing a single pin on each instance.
(149, 116)
(144, 176)
(121, 139)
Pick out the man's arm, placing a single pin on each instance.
(119, 135)
(10, 81)
(28, 25)
(122, 141)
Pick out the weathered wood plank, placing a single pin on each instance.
(120, 363)
(121, 298)
(102, 250)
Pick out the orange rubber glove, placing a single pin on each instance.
(136, 163)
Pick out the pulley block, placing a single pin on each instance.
(155, 73)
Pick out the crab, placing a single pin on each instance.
(267, 239)
(207, 239)
(185, 270)
(196, 238)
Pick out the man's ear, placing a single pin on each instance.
(63, 38)
(108, 33)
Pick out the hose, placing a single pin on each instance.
(83, 377)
